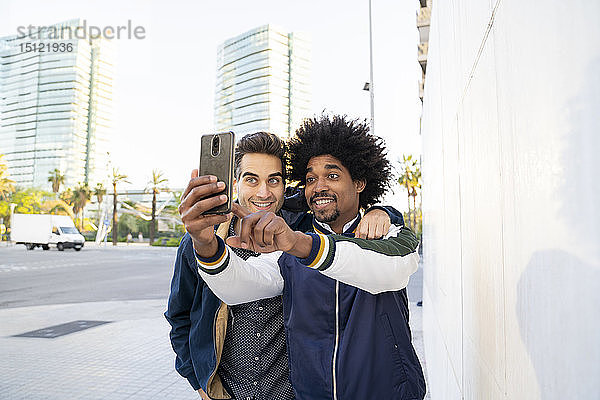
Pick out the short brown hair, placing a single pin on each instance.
(263, 143)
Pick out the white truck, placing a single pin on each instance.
(39, 230)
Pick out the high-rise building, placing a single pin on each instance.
(55, 104)
(263, 82)
(423, 23)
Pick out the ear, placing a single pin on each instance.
(360, 185)
(235, 188)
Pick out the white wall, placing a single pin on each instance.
(511, 143)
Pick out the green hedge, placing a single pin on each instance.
(167, 242)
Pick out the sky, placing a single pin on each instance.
(164, 83)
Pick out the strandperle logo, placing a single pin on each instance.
(83, 31)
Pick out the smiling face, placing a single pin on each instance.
(260, 183)
(331, 193)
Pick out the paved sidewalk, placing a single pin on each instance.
(128, 358)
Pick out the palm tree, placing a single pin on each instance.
(416, 185)
(57, 179)
(7, 186)
(116, 178)
(156, 185)
(80, 197)
(99, 192)
(67, 196)
(409, 178)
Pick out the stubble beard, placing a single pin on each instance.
(323, 216)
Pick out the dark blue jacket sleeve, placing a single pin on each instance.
(183, 290)
(396, 217)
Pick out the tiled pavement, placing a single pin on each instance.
(129, 358)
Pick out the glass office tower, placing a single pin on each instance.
(263, 82)
(55, 106)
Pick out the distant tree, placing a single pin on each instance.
(117, 177)
(416, 186)
(31, 201)
(57, 207)
(67, 196)
(57, 179)
(99, 192)
(157, 184)
(7, 185)
(80, 197)
(410, 176)
(27, 201)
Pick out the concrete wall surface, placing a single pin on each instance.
(511, 158)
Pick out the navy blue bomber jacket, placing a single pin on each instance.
(345, 310)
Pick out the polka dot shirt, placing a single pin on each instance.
(254, 363)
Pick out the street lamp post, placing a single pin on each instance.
(371, 86)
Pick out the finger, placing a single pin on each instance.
(362, 230)
(248, 223)
(200, 207)
(269, 232)
(194, 174)
(379, 230)
(385, 228)
(197, 181)
(258, 233)
(371, 232)
(358, 231)
(234, 241)
(240, 211)
(200, 192)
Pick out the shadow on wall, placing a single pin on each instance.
(558, 308)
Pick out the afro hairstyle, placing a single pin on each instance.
(362, 153)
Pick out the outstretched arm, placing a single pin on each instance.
(237, 281)
(372, 265)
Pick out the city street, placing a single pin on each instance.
(122, 350)
(37, 277)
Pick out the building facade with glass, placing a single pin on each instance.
(56, 106)
(263, 82)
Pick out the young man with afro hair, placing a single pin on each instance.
(344, 298)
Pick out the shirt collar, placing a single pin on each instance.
(323, 228)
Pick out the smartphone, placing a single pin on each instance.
(216, 158)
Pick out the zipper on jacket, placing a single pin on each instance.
(337, 335)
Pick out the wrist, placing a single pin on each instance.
(302, 245)
(206, 249)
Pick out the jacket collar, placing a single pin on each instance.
(325, 229)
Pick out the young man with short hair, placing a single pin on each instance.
(345, 304)
(239, 351)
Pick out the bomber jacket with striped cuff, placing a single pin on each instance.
(345, 311)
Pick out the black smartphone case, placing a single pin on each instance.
(219, 165)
